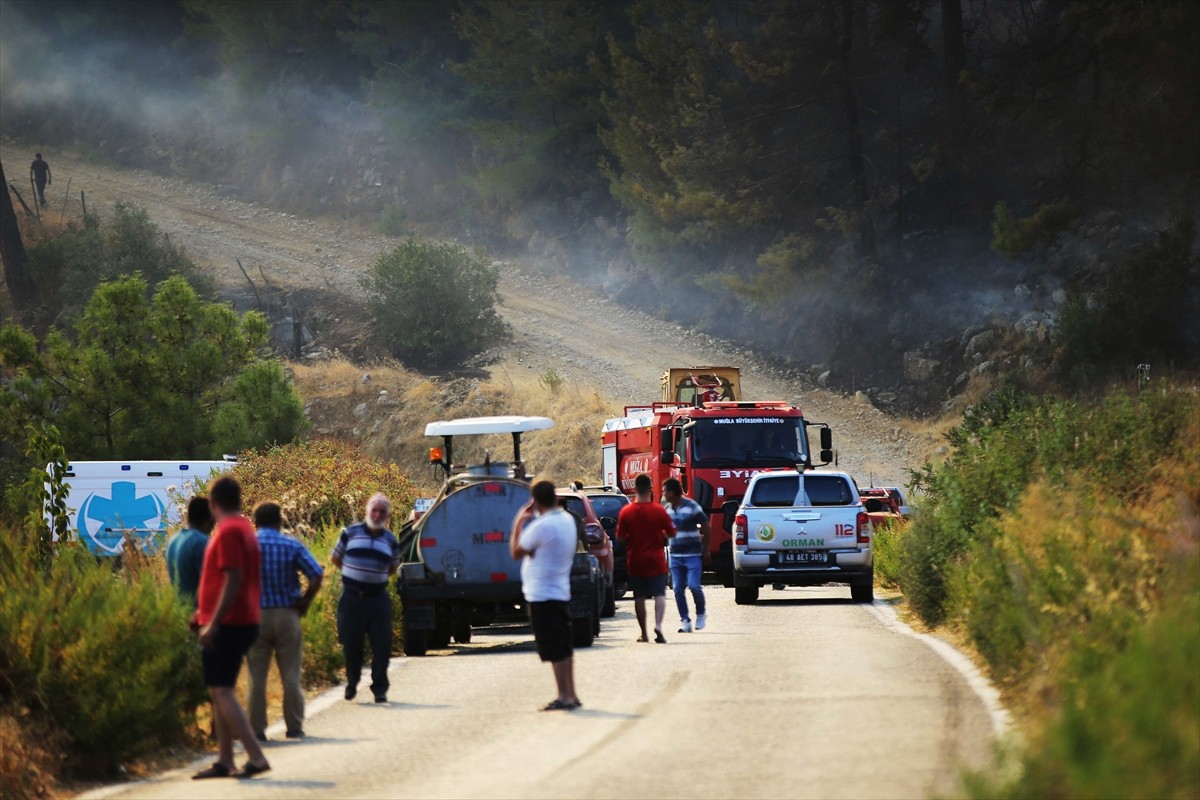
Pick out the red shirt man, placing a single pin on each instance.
(645, 526)
(227, 615)
(234, 545)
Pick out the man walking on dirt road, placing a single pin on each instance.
(39, 173)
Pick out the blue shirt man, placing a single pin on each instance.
(688, 552)
(185, 551)
(283, 561)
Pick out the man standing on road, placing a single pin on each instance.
(367, 554)
(39, 172)
(646, 528)
(689, 551)
(228, 615)
(185, 551)
(284, 559)
(545, 539)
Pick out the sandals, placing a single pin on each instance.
(251, 769)
(215, 771)
(559, 705)
(642, 639)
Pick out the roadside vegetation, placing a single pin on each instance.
(1061, 538)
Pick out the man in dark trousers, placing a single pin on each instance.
(368, 555)
(39, 172)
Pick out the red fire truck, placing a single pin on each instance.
(713, 448)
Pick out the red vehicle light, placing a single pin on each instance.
(494, 536)
(739, 529)
(429, 542)
(864, 528)
(499, 577)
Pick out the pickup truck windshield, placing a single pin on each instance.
(749, 441)
(822, 490)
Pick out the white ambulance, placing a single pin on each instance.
(105, 499)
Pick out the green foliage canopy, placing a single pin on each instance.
(432, 304)
(150, 378)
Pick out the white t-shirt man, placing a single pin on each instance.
(546, 575)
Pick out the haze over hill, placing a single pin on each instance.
(825, 182)
(595, 344)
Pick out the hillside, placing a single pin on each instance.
(597, 346)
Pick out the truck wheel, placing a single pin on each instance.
(583, 631)
(863, 592)
(610, 601)
(745, 595)
(416, 643)
(462, 631)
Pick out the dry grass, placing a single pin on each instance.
(931, 433)
(393, 428)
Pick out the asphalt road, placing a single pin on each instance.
(804, 695)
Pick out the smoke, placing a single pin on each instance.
(133, 88)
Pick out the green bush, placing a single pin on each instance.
(888, 542)
(69, 266)
(160, 377)
(1129, 726)
(320, 482)
(103, 656)
(1012, 236)
(432, 305)
(1009, 442)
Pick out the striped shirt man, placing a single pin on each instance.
(366, 559)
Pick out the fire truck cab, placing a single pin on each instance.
(713, 448)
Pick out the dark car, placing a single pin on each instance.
(607, 502)
(598, 542)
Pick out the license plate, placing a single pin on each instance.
(802, 557)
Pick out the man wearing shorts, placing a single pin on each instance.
(645, 526)
(545, 539)
(227, 615)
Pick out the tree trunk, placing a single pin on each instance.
(12, 252)
(954, 60)
(858, 169)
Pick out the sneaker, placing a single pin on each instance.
(701, 621)
(381, 698)
(351, 692)
(294, 734)
(260, 735)
(687, 626)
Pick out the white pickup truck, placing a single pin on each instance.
(802, 529)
